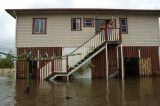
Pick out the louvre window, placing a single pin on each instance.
(88, 22)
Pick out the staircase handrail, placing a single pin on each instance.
(85, 49)
(85, 43)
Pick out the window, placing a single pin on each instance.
(76, 24)
(39, 26)
(88, 22)
(123, 25)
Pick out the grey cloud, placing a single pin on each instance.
(7, 31)
(7, 23)
(52, 4)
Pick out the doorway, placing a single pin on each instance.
(131, 65)
(33, 69)
(99, 22)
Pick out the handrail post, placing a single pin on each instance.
(106, 34)
(113, 34)
(120, 37)
(67, 66)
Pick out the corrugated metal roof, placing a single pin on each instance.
(13, 12)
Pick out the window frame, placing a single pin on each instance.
(126, 20)
(33, 26)
(84, 19)
(72, 24)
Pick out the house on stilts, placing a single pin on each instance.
(71, 41)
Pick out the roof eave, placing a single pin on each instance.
(11, 12)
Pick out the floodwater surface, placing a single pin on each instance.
(83, 92)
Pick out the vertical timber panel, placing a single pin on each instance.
(21, 67)
(112, 57)
(146, 52)
(99, 62)
(151, 52)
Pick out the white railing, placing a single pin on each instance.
(80, 53)
(46, 70)
(113, 35)
(60, 65)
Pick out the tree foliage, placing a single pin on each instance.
(7, 61)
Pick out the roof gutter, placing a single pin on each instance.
(13, 12)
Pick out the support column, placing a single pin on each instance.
(15, 71)
(67, 78)
(106, 61)
(107, 92)
(123, 93)
(38, 70)
(159, 57)
(122, 62)
(139, 56)
(117, 59)
(15, 65)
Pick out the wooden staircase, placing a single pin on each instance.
(67, 65)
(79, 64)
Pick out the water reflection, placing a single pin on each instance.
(7, 91)
(84, 92)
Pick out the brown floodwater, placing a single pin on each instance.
(83, 92)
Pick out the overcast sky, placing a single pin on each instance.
(7, 23)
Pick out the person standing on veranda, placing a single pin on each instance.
(110, 29)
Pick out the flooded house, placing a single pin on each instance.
(87, 43)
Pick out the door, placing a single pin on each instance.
(145, 66)
(98, 24)
(131, 65)
(101, 23)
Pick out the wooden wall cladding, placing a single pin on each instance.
(99, 62)
(145, 52)
(128, 51)
(21, 65)
(99, 70)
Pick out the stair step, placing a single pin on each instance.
(87, 56)
(60, 72)
(90, 53)
(76, 65)
(80, 62)
(49, 76)
(71, 68)
(96, 48)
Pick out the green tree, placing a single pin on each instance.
(6, 62)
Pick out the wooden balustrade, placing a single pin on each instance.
(46, 70)
(61, 65)
(113, 34)
(86, 48)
